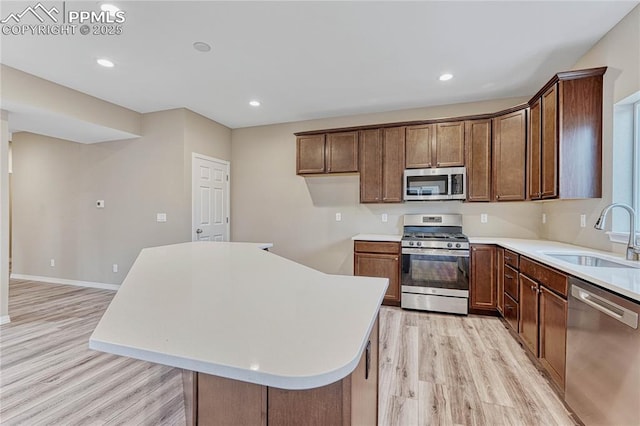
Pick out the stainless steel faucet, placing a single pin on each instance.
(633, 251)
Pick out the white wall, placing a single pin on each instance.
(4, 217)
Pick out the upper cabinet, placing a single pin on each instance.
(565, 153)
(327, 153)
(478, 140)
(381, 165)
(509, 156)
(435, 145)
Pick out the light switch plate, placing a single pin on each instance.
(115, 267)
(161, 217)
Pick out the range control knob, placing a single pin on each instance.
(419, 243)
(410, 243)
(449, 245)
(457, 245)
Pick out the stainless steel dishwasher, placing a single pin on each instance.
(603, 356)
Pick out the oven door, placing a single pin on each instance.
(435, 271)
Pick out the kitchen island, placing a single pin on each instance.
(267, 339)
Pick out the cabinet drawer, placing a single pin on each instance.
(546, 276)
(377, 247)
(511, 259)
(511, 282)
(511, 311)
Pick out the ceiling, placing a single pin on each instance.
(306, 60)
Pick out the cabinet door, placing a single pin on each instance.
(550, 144)
(384, 266)
(511, 311)
(418, 146)
(553, 334)
(478, 140)
(528, 301)
(449, 144)
(500, 280)
(371, 166)
(311, 154)
(392, 164)
(509, 156)
(534, 152)
(342, 152)
(482, 283)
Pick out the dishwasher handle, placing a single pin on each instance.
(605, 306)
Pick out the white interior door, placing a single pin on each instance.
(210, 199)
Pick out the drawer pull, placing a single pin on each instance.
(508, 276)
(534, 288)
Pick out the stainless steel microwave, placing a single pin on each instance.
(446, 183)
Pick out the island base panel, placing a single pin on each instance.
(350, 401)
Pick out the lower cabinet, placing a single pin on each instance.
(553, 334)
(500, 280)
(350, 401)
(528, 324)
(482, 282)
(379, 259)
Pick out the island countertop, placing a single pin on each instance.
(236, 311)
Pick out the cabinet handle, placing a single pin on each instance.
(367, 361)
(396, 258)
(534, 289)
(497, 197)
(508, 276)
(438, 164)
(507, 258)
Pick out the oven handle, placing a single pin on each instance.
(436, 252)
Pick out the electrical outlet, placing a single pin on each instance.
(385, 217)
(338, 217)
(484, 218)
(100, 204)
(583, 220)
(544, 218)
(52, 263)
(115, 267)
(161, 217)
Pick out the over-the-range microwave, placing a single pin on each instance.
(445, 183)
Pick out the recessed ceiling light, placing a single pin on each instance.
(445, 77)
(106, 7)
(254, 103)
(201, 46)
(105, 63)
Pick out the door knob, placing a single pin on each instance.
(198, 231)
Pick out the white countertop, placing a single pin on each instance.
(236, 311)
(377, 237)
(624, 281)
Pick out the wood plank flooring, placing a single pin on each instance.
(434, 370)
(440, 369)
(49, 376)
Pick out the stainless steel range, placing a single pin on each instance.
(435, 264)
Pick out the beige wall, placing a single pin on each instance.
(620, 51)
(4, 217)
(57, 182)
(270, 203)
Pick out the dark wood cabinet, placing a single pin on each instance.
(565, 154)
(500, 280)
(509, 156)
(371, 166)
(418, 146)
(330, 153)
(435, 145)
(392, 164)
(379, 259)
(482, 282)
(528, 323)
(478, 141)
(553, 334)
(310, 154)
(511, 311)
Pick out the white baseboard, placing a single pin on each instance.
(76, 283)
(5, 319)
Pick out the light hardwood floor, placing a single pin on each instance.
(434, 370)
(49, 376)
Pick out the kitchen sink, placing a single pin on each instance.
(589, 260)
